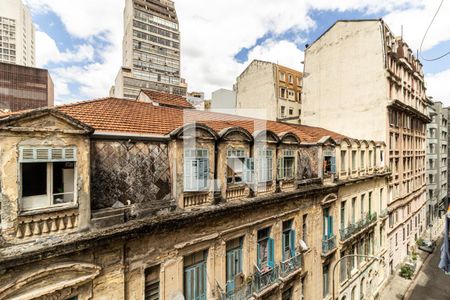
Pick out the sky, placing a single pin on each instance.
(80, 42)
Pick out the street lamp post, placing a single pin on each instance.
(380, 258)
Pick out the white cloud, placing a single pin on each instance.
(47, 51)
(437, 85)
(214, 31)
(416, 20)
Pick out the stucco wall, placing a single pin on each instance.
(345, 85)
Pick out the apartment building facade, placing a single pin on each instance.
(17, 34)
(151, 50)
(364, 81)
(273, 89)
(437, 151)
(24, 88)
(183, 203)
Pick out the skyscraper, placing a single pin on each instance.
(151, 49)
(16, 34)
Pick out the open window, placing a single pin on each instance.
(265, 165)
(48, 177)
(265, 259)
(239, 167)
(329, 165)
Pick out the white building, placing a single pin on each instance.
(223, 100)
(151, 50)
(363, 81)
(16, 34)
(269, 89)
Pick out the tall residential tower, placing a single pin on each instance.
(363, 81)
(151, 49)
(16, 34)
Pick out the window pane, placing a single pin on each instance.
(63, 182)
(34, 179)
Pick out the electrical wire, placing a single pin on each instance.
(426, 32)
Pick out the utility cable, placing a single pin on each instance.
(426, 32)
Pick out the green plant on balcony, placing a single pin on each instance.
(406, 272)
(420, 242)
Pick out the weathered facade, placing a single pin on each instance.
(366, 83)
(270, 89)
(184, 203)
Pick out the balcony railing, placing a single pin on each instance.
(292, 264)
(262, 280)
(328, 244)
(232, 292)
(352, 229)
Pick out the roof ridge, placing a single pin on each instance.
(81, 102)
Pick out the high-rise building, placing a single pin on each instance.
(437, 135)
(270, 87)
(151, 50)
(24, 88)
(363, 81)
(16, 34)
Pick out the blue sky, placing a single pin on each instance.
(80, 42)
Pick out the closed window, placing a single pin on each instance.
(196, 170)
(265, 165)
(152, 283)
(234, 264)
(47, 177)
(195, 276)
(286, 165)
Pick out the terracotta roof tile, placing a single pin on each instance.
(165, 99)
(134, 117)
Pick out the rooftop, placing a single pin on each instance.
(165, 99)
(123, 116)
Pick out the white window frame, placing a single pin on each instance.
(282, 170)
(194, 182)
(47, 155)
(265, 165)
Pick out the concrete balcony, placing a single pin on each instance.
(356, 228)
(290, 266)
(328, 245)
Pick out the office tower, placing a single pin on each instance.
(16, 34)
(151, 50)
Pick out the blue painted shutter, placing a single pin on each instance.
(271, 262)
(280, 168)
(333, 165)
(258, 255)
(283, 245)
(292, 240)
(330, 226)
(249, 167)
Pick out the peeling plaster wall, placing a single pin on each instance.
(308, 163)
(42, 132)
(120, 169)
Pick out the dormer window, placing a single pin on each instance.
(265, 165)
(286, 168)
(236, 166)
(48, 177)
(196, 170)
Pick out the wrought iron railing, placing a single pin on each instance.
(352, 229)
(328, 244)
(290, 265)
(231, 292)
(262, 280)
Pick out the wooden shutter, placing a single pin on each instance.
(46, 154)
(271, 260)
(292, 240)
(333, 164)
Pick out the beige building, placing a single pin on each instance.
(99, 204)
(272, 89)
(17, 34)
(365, 82)
(151, 50)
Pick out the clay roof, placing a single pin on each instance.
(165, 99)
(134, 117)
